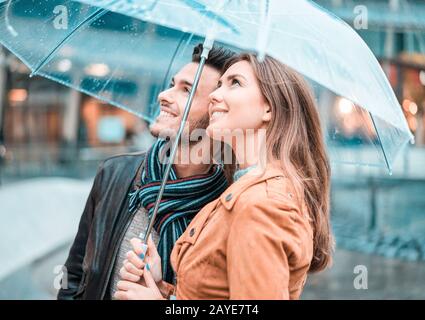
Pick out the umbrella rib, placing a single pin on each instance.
(6, 20)
(98, 13)
(167, 74)
(200, 7)
(380, 143)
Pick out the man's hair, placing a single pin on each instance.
(217, 56)
(217, 59)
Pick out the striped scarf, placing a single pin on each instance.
(181, 201)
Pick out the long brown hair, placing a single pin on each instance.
(294, 137)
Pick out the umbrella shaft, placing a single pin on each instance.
(177, 138)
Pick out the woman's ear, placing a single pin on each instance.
(267, 115)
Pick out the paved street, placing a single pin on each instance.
(387, 278)
(39, 216)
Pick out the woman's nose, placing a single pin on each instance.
(216, 96)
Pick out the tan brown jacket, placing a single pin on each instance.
(254, 242)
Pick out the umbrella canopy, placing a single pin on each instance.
(125, 52)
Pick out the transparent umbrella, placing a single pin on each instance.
(125, 52)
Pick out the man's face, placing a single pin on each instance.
(173, 101)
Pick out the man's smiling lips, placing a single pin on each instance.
(167, 112)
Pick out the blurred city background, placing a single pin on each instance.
(52, 138)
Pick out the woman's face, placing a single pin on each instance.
(237, 103)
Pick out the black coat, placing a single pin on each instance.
(102, 227)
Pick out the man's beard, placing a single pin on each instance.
(193, 133)
(199, 124)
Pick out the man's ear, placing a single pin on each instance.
(267, 115)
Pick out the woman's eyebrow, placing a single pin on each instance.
(235, 75)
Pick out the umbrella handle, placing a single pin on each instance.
(208, 44)
(142, 255)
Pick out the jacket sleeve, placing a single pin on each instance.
(262, 240)
(166, 289)
(73, 265)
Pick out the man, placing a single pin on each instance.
(125, 188)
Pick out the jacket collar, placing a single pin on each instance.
(252, 177)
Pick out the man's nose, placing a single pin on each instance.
(166, 96)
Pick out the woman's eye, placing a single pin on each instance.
(235, 82)
(186, 89)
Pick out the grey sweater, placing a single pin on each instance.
(138, 225)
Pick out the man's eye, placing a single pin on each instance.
(186, 89)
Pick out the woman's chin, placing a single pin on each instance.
(215, 132)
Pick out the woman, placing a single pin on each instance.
(271, 227)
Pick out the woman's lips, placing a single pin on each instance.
(217, 115)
